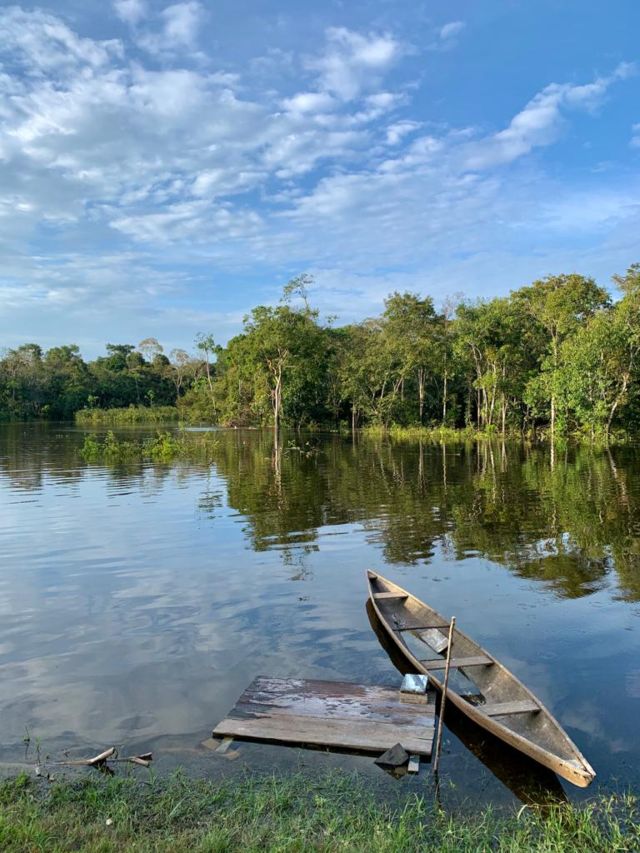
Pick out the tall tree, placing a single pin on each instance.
(410, 332)
(560, 304)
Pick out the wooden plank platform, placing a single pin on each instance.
(333, 714)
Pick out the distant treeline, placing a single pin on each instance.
(555, 357)
(137, 383)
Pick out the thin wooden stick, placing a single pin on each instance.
(108, 756)
(100, 759)
(436, 758)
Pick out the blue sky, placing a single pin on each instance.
(164, 167)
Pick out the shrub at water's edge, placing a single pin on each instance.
(126, 415)
(331, 812)
(163, 447)
(437, 434)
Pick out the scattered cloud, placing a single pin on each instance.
(132, 175)
(635, 136)
(446, 37)
(179, 29)
(309, 102)
(181, 22)
(585, 210)
(397, 131)
(353, 61)
(541, 121)
(130, 11)
(451, 30)
(39, 43)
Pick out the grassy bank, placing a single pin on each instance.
(448, 435)
(163, 447)
(333, 812)
(126, 416)
(457, 435)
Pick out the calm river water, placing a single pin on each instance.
(137, 603)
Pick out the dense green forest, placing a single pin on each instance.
(556, 357)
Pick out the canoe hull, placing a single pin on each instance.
(575, 770)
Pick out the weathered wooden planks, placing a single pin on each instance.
(331, 714)
(471, 660)
(365, 737)
(389, 596)
(497, 709)
(406, 622)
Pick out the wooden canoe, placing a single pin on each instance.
(498, 701)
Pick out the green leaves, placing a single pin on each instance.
(555, 357)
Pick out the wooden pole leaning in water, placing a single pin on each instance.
(436, 758)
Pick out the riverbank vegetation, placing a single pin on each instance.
(332, 812)
(126, 416)
(163, 447)
(556, 357)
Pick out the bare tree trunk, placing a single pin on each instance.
(445, 393)
(553, 393)
(421, 394)
(277, 399)
(615, 405)
(492, 405)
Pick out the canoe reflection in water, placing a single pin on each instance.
(525, 778)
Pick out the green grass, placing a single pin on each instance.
(126, 416)
(458, 435)
(435, 434)
(163, 447)
(286, 813)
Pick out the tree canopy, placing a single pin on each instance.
(557, 356)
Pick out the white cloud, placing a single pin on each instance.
(451, 30)
(180, 29)
(353, 62)
(446, 37)
(298, 152)
(214, 183)
(130, 11)
(184, 221)
(541, 121)
(635, 136)
(181, 22)
(309, 102)
(160, 155)
(585, 210)
(383, 100)
(396, 132)
(42, 43)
